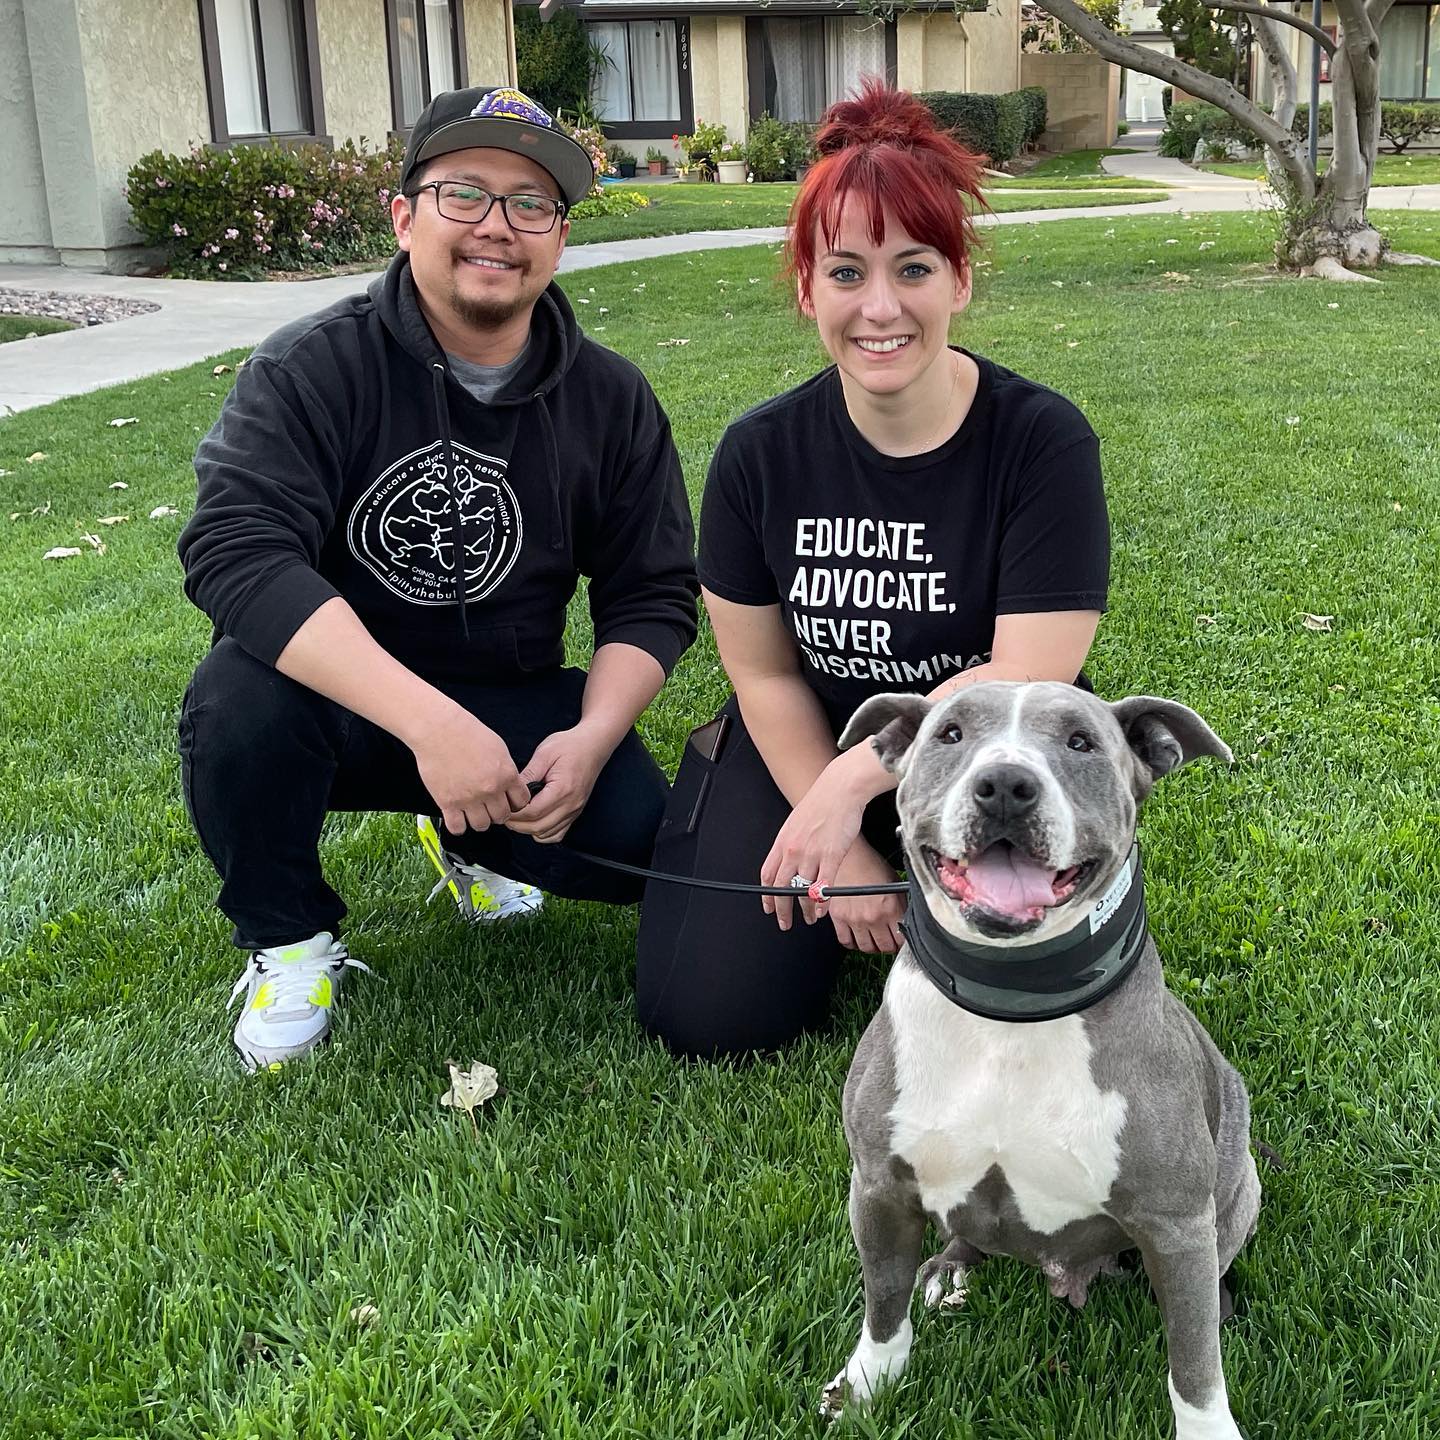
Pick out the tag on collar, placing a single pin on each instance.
(1109, 902)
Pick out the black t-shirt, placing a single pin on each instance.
(890, 571)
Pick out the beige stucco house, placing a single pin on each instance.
(88, 86)
(676, 61)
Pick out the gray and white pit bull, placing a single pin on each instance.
(1065, 1141)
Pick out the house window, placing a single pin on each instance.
(426, 54)
(640, 79)
(1410, 53)
(259, 63)
(807, 64)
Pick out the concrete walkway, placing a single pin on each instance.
(199, 318)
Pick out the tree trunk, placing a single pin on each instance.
(1333, 234)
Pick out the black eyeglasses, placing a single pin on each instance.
(468, 204)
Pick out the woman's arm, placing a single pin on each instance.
(790, 730)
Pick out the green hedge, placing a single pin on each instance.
(236, 213)
(998, 126)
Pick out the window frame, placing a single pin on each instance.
(392, 48)
(1432, 23)
(755, 51)
(682, 123)
(308, 75)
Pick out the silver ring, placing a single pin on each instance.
(799, 882)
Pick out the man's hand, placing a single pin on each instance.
(567, 764)
(468, 772)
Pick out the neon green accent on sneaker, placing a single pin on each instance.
(322, 993)
(264, 996)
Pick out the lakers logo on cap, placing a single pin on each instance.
(512, 105)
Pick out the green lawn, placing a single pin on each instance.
(1389, 169)
(21, 327)
(1075, 168)
(680, 209)
(635, 1248)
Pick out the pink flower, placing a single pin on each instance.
(232, 233)
(224, 264)
(179, 229)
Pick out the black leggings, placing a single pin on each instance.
(715, 975)
(264, 759)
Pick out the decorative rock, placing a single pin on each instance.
(66, 305)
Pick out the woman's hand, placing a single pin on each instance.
(819, 833)
(867, 922)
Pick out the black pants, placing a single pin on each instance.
(264, 759)
(715, 975)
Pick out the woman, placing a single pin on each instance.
(914, 518)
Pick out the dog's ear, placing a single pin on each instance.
(1165, 735)
(894, 721)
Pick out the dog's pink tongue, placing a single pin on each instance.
(1010, 883)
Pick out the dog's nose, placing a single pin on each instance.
(1005, 792)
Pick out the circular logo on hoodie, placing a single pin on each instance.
(406, 526)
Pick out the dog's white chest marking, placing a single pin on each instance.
(975, 1093)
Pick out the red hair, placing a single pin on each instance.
(884, 147)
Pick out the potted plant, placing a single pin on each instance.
(730, 162)
(699, 149)
(656, 160)
(799, 147)
(765, 148)
(622, 161)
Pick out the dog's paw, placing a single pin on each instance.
(835, 1397)
(942, 1282)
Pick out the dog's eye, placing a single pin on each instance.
(1080, 742)
(950, 735)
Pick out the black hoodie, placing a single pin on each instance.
(348, 461)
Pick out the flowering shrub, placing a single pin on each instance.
(610, 202)
(591, 138)
(239, 212)
(730, 150)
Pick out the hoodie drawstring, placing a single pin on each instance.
(457, 518)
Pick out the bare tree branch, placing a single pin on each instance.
(1282, 70)
(1166, 67)
(1273, 12)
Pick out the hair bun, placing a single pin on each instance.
(876, 115)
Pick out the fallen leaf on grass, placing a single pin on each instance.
(364, 1315)
(1292, 419)
(61, 552)
(1396, 506)
(161, 511)
(35, 459)
(123, 420)
(660, 344)
(470, 1088)
(1317, 622)
(221, 370)
(95, 543)
(582, 299)
(41, 509)
(119, 485)
(1205, 619)
(1178, 276)
(112, 519)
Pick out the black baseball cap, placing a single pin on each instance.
(501, 119)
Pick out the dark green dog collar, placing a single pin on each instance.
(1044, 981)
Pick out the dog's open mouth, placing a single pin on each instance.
(1006, 883)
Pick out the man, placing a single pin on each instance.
(394, 508)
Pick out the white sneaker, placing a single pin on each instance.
(289, 993)
(483, 896)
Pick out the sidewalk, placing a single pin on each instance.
(199, 318)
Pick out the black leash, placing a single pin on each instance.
(815, 892)
(733, 887)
